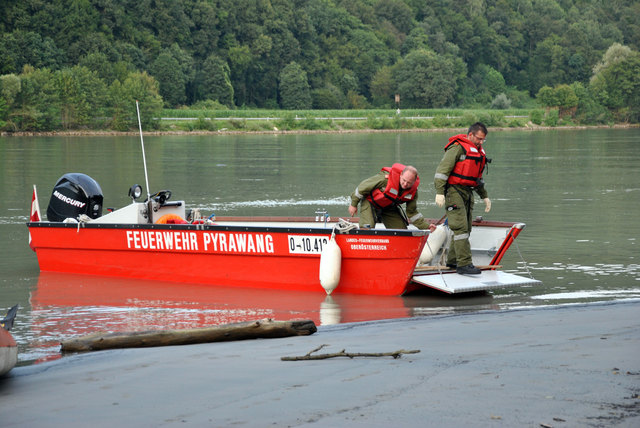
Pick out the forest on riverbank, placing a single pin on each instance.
(81, 64)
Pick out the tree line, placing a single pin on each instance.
(72, 64)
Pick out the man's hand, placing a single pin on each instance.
(440, 200)
(352, 210)
(487, 203)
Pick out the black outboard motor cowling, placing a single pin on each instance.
(75, 194)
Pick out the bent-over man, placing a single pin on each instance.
(381, 196)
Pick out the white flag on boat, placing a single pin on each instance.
(35, 211)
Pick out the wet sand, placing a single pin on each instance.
(575, 366)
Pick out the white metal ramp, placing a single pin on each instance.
(451, 282)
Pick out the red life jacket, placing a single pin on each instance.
(392, 193)
(468, 170)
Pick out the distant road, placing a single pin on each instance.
(316, 118)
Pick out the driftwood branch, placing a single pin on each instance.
(308, 356)
(266, 328)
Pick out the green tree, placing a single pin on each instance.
(565, 97)
(37, 106)
(494, 81)
(546, 96)
(417, 39)
(3, 112)
(90, 43)
(329, 97)
(617, 86)
(484, 84)
(216, 82)
(10, 86)
(20, 48)
(629, 23)
(615, 53)
(294, 88)
(547, 65)
(107, 70)
(542, 18)
(81, 94)
(188, 69)
(383, 87)
(122, 100)
(530, 43)
(397, 12)
(589, 109)
(501, 102)
(171, 80)
(98, 62)
(239, 62)
(427, 80)
(206, 28)
(567, 100)
(561, 97)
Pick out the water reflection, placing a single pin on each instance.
(69, 305)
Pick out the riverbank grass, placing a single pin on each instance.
(342, 120)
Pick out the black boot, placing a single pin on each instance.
(468, 270)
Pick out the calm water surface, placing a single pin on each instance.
(578, 192)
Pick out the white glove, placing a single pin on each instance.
(440, 200)
(487, 203)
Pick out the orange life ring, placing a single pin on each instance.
(171, 219)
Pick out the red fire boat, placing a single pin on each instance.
(158, 239)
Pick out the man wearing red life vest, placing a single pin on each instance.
(457, 177)
(380, 198)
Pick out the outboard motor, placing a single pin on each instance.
(75, 194)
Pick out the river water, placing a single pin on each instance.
(578, 191)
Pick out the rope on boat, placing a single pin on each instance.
(443, 256)
(343, 226)
(526, 266)
(82, 219)
(444, 281)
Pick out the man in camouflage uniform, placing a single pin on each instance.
(392, 215)
(458, 175)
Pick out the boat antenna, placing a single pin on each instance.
(144, 158)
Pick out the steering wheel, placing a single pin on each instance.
(162, 196)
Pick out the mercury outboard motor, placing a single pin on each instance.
(75, 194)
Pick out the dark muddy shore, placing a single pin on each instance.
(553, 367)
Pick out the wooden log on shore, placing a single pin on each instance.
(266, 328)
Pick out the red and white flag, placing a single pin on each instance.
(35, 212)
(35, 207)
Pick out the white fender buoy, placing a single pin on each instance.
(433, 245)
(330, 261)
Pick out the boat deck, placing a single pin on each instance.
(451, 282)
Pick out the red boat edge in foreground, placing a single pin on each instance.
(8, 346)
(152, 240)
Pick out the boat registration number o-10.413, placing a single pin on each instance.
(307, 244)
